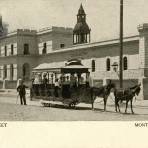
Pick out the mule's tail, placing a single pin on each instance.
(135, 98)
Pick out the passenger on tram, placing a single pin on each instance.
(60, 81)
(36, 80)
(81, 81)
(89, 80)
(66, 88)
(56, 88)
(73, 81)
(45, 80)
(36, 84)
(44, 85)
(39, 78)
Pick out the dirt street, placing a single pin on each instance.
(11, 111)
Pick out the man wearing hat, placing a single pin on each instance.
(22, 93)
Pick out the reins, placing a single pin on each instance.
(124, 96)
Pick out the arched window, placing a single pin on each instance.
(26, 49)
(125, 66)
(12, 49)
(93, 65)
(26, 71)
(108, 64)
(44, 51)
(5, 51)
(11, 71)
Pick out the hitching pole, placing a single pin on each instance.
(121, 44)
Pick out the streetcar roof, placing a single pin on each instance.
(60, 67)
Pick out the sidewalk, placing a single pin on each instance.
(10, 92)
(11, 96)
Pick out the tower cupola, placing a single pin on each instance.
(81, 32)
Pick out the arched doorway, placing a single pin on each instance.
(26, 71)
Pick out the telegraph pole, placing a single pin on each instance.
(121, 44)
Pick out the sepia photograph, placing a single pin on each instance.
(80, 60)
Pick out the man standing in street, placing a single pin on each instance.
(22, 93)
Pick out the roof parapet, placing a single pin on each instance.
(20, 32)
(142, 27)
(62, 28)
(26, 31)
(45, 29)
(56, 29)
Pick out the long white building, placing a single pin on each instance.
(22, 50)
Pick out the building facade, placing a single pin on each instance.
(22, 50)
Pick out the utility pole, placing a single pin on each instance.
(121, 44)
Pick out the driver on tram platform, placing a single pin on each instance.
(56, 88)
(89, 80)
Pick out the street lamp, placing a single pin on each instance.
(115, 66)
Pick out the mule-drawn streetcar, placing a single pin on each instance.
(69, 84)
(61, 84)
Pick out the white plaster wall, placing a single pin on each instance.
(26, 39)
(15, 49)
(15, 72)
(62, 38)
(8, 49)
(100, 70)
(49, 46)
(86, 62)
(1, 72)
(8, 72)
(133, 61)
(2, 51)
(40, 47)
(100, 64)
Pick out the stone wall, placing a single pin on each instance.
(45, 38)
(99, 54)
(32, 61)
(145, 88)
(31, 40)
(143, 45)
(54, 37)
(10, 84)
(8, 42)
(62, 38)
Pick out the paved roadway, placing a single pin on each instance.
(12, 111)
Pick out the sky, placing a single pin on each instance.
(102, 15)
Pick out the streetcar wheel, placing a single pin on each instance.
(72, 105)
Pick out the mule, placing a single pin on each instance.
(103, 91)
(126, 95)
